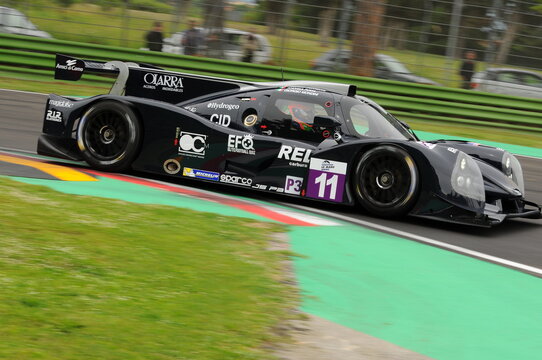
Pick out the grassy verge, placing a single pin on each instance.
(506, 136)
(88, 278)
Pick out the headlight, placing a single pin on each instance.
(467, 178)
(512, 168)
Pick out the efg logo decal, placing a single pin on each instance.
(243, 144)
(163, 82)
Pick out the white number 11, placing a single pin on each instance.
(323, 182)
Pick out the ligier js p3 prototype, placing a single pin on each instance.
(306, 139)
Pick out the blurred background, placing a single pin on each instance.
(421, 41)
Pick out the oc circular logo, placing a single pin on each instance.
(192, 143)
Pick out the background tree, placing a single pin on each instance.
(365, 40)
(214, 23)
(275, 10)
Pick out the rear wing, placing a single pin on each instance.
(144, 80)
(148, 81)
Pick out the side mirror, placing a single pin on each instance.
(326, 122)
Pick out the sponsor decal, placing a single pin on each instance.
(221, 119)
(238, 180)
(277, 189)
(302, 91)
(326, 134)
(191, 109)
(241, 144)
(61, 103)
(53, 115)
(70, 65)
(215, 105)
(163, 82)
(427, 145)
(293, 185)
(326, 179)
(260, 187)
(201, 174)
(452, 150)
(248, 99)
(192, 144)
(298, 156)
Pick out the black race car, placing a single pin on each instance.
(306, 139)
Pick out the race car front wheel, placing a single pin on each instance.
(108, 136)
(386, 181)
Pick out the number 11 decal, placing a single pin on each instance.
(326, 179)
(323, 182)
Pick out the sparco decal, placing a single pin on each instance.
(192, 144)
(69, 65)
(61, 103)
(232, 179)
(163, 82)
(214, 105)
(241, 144)
(221, 119)
(298, 156)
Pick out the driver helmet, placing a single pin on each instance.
(302, 116)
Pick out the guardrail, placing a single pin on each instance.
(406, 100)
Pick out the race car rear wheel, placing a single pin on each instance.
(109, 135)
(386, 181)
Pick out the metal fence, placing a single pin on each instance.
(425, 37)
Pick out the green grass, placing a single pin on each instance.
(89, 278)
(26, 83)
(516, 137)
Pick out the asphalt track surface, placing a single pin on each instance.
(518, 240)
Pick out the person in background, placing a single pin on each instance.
(250, 45)
(467, 69)
(192, 39)
(155, 37)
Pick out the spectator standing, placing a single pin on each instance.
(250, 45)
(192, 39)
(467, 69)
(155, 37)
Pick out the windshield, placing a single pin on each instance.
(366, 120)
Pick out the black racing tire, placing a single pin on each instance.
(386, 181)
(109, 136)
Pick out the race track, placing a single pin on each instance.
(518, 241)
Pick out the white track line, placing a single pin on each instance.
(24, 92)
(423, 239)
